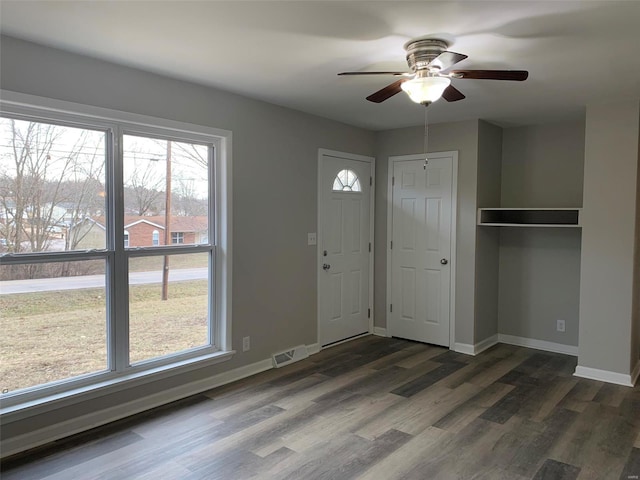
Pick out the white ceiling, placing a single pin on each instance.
(289, 53)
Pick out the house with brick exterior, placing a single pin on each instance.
(141, 231)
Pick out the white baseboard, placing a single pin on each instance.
(605, 376)
(465, 348)
(60, 430)
(380, 331)
(538, 344)
(479, 347)
(486, 344)
(313, 348)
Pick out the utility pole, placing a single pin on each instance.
(167, 225)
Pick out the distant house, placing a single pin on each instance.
(72, 212)
(48, 214)
(87, 233)
(46, 219)
(150, 231)
(141, 231)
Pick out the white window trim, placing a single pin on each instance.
(84, 388)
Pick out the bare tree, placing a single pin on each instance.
(85, 191)
(85, 199)
(28, 214)
(192, 161)
(146, 184)
(48, 181)
(186, 202)
(194, 153)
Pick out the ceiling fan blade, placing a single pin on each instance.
(397, 74)
(386, 92)
(517, 75)
(447, 60)
(452, 94)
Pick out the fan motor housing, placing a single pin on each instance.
(422, 51)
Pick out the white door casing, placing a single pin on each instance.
(421, 247)
(345, 248)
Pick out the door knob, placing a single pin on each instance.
(326, 266)
(444, 261)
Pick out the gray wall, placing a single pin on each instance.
(488, 239)
(608, 237)
(635, 328)
(539, 283)
(542, 166)
(459, 136)
(275, 154)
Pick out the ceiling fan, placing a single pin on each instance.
(430, 77)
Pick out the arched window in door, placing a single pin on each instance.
(346, 181)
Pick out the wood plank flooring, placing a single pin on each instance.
(377, 409)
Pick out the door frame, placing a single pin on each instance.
(322, 152)
(453, 155)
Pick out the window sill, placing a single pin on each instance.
(107, 387)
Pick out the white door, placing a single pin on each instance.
(421, 248)
(344, 247)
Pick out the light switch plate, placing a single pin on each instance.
(312, 239)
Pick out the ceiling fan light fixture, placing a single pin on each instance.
(425, 90)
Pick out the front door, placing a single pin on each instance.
(421, 248)
(344, 246)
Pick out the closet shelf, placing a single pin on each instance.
(529, 217)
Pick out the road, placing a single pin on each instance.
(92, 281)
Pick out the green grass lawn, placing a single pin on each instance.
(152, 263)
(50, 336)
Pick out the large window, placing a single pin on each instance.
(95, 287)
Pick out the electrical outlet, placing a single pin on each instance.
(246, 344)
(312, 239)
(560, 325)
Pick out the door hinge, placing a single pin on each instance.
(369, 247)
(368, 313)
(391, 244)
(391, 307)
(393, 181)
(370, 180)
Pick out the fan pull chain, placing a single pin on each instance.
(426, 137)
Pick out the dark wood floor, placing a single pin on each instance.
(377, 409)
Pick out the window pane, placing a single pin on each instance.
(53, 322)
(52, 187)
(346, 181)
(153, 167)
(158, 326)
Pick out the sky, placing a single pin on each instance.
(144, 157)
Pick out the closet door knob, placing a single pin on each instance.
(444, 261)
